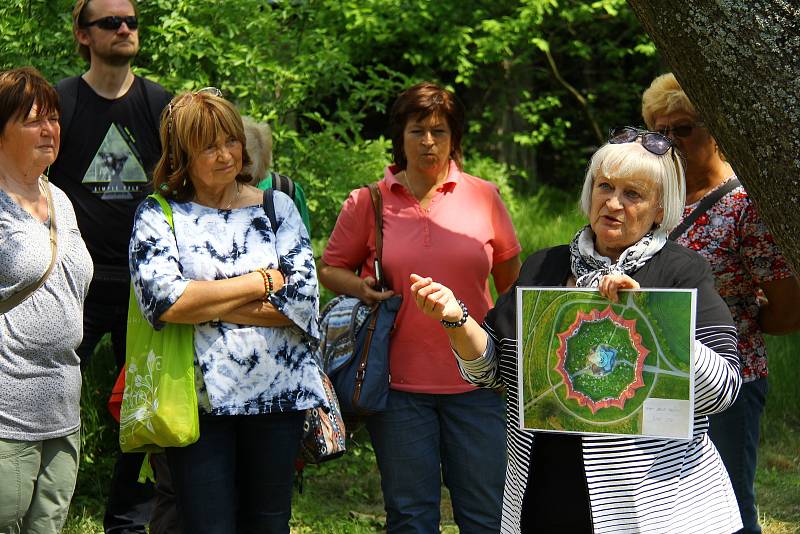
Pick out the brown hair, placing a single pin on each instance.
(420, 101)
(190, 123)
(665, 96)
(20, 89)
(80, 20)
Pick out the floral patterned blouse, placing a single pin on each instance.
(240, 369)
(742, 254)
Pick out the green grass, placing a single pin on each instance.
(343, 496)
(548, 218)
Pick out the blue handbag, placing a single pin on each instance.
(357, 359)
(354, 350)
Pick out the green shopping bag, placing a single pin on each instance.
(159, 402)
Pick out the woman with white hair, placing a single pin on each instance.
(258, 137)
(633, 196)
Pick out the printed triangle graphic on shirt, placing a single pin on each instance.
(115, 171)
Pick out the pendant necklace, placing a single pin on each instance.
(235, 198)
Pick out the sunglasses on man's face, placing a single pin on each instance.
(684, 130)
(114, 23)
(653, 142)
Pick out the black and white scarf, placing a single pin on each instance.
(588, 266)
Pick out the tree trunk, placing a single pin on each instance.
(739, 63)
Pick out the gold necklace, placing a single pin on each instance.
(404, 180)
(423, 202)
(236, 197)
(407, 184)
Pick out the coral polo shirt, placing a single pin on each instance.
(457, 241)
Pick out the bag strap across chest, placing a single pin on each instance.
(18, 297)
(703, 207)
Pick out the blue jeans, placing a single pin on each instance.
(237, 478)
(421, 439)
(735, 434)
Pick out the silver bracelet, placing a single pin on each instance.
(460, 322)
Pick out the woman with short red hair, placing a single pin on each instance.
(436, 219)
(45, 271)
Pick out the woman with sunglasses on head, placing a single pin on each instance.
(45, 272)
(632, 195)
(751, 276)
(250, 289)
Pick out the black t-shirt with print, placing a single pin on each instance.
(107, 155)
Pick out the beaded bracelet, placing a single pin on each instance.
(460, 322)
(268, 284)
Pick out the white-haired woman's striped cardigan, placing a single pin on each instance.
(634, 484)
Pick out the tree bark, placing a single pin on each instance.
(739, 63)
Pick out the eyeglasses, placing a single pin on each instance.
(181, 101)
(684, 130)
(653, 142)
(114, 22)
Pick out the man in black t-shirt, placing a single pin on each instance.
(109, 147)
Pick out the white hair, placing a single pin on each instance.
(259, 147)
(632, 159)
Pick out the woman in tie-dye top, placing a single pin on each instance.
(251, 292)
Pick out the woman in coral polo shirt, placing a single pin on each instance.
(437, 219)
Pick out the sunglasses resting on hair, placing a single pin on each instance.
(114, 22)
(653, 142)
(684, 130)
(172, 106)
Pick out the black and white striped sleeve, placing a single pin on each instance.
(717, 376)
(482, 371)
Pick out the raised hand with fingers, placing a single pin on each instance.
(434, 299)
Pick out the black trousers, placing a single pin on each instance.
(557, 497)
(130, 504)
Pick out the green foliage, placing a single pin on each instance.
(548, 218)
(38, 34)
(541, 79)
(784, 379)
(329, 168)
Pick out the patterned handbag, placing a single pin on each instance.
(323, 430)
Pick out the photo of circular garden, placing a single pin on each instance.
(600, 358)
(590, 365)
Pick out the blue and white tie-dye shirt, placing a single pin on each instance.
(242, 369)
